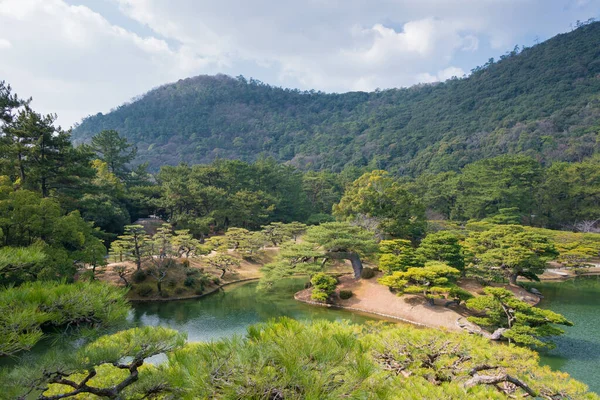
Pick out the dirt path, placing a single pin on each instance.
(371, 297)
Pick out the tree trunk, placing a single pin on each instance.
(348, 255)
(512, 279)
(222, 273)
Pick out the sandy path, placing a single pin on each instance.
(370, 296)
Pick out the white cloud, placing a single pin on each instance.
(73, 61)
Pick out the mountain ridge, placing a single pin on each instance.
(540, 101)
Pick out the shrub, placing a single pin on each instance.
(189, 281)
(323, 285)
(185, 263)
(216, 280)
(171, 283)
(367, 273)
(199, 290)
(193, 272)
(345, 294)
(144, 290)
(138, 276)
(319, 295)
(179, 290)
(165, 294)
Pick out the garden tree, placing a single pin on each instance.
(251, 244)
(488, 185)
(510, 251)
(443, 246)
(294, 258)
(162, 255)
(434, 280)
(515, 320)
(276, 232)
(134, 245)
(17, 263)
(234, 237)
(184, 244)
(223, 262)
(121, 271)
(295, 229)
(24, 310)
(108, 367)
(341, 360)
(378, 196)
(42, 157)
(114, 150)
(342, 241)
(323, 286)
(398, 255)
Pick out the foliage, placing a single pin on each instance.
(442, 246)
(519, 321)
(434, 280)
(379, 198)
(398, 255)
(367, 273)
(114, 150)
(345, 294)
(323, 286)
(329, 360)
(510, 251)
(25, 309)
(109, 367)
(223, 262)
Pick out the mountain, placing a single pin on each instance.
(542, 101)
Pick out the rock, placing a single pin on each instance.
(535, 291)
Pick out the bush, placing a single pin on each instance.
(216, 280)
(367, 273)
(185, 263)
(189, 282)
(199, 290)
(165, 294)
(179, 290)
(193, 272)
(138, 276)
(144, 290)
(319, 295)
(345, 294)
(171, 283)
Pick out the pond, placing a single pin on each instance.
(231, 311)
(578, 351)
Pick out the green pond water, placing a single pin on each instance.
(578, 351)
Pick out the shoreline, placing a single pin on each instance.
(197, 296)
(363, 311)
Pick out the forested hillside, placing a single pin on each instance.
(541, 101)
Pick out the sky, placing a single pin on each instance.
(78, 58)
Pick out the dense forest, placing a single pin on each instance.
(540, 101)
